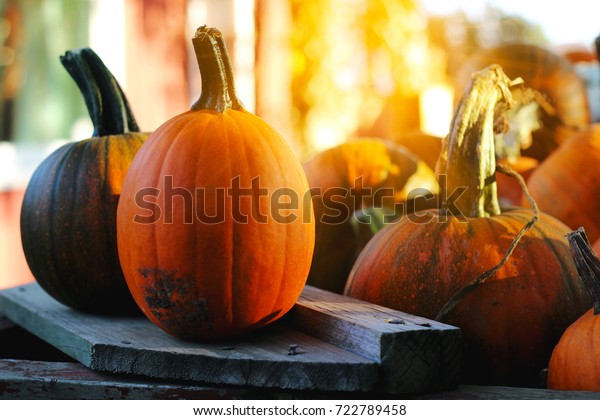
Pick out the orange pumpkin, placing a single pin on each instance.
(215, 227)
(454, 264)
(68, 216)
(566, 184)
(574, 362)
(510, 192)
(548, 73)
(359, 174)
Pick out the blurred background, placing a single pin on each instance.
(319, 71)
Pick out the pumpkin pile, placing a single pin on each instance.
(229, 247)
(505, 278)
(347, 182)
(211, 226)
(566, 184)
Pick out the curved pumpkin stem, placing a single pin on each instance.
(218, 84)
(587, 263)
(468, 157)
(105, 100)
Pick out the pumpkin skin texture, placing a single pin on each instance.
(206, 280)
(574, 361)
(68, 217)
(379, 165)
(596, 247)
(566, 184)
(510, 192)
(429, 265)
(511, 323)
(548, 73)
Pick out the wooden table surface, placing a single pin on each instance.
(30, 368)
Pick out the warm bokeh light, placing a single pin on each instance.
(435, 109)
(352, 63)
(243, 51)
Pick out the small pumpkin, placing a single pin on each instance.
(504, 277)
(360, 174)
(68, 216)
(574, 361)
(552, 75)
(218, 259)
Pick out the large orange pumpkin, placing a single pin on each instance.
(574, 362)
(450, 263)
(215, 225)
(552, 75)
(68, 217)
(361, 173)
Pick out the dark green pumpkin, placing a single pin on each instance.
(68, 216)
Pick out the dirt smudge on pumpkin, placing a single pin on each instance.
(170, 298)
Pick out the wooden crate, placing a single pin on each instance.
(343, 345)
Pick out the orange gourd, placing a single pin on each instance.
(505, 278)
(552, 75)
(566, 184)
(215, 226)
(574, 362)
(361, 173)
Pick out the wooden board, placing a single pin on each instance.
(24, 379)
(414, 353)
(5, 323)
(30, 380)
(332, 356)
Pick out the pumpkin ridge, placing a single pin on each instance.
(197, 272)
(570, 287)
(76, 155)
(266, 134)
(171, 147)
(52, 228)
(229, 285)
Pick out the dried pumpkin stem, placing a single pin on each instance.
(587, 263)
(218, 85)
(468, 157)
(462, 293)
(105, 100)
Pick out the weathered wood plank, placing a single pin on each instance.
(25, 379)
(477, 392)
(415, 354)
(5, 323)
(135, 346)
